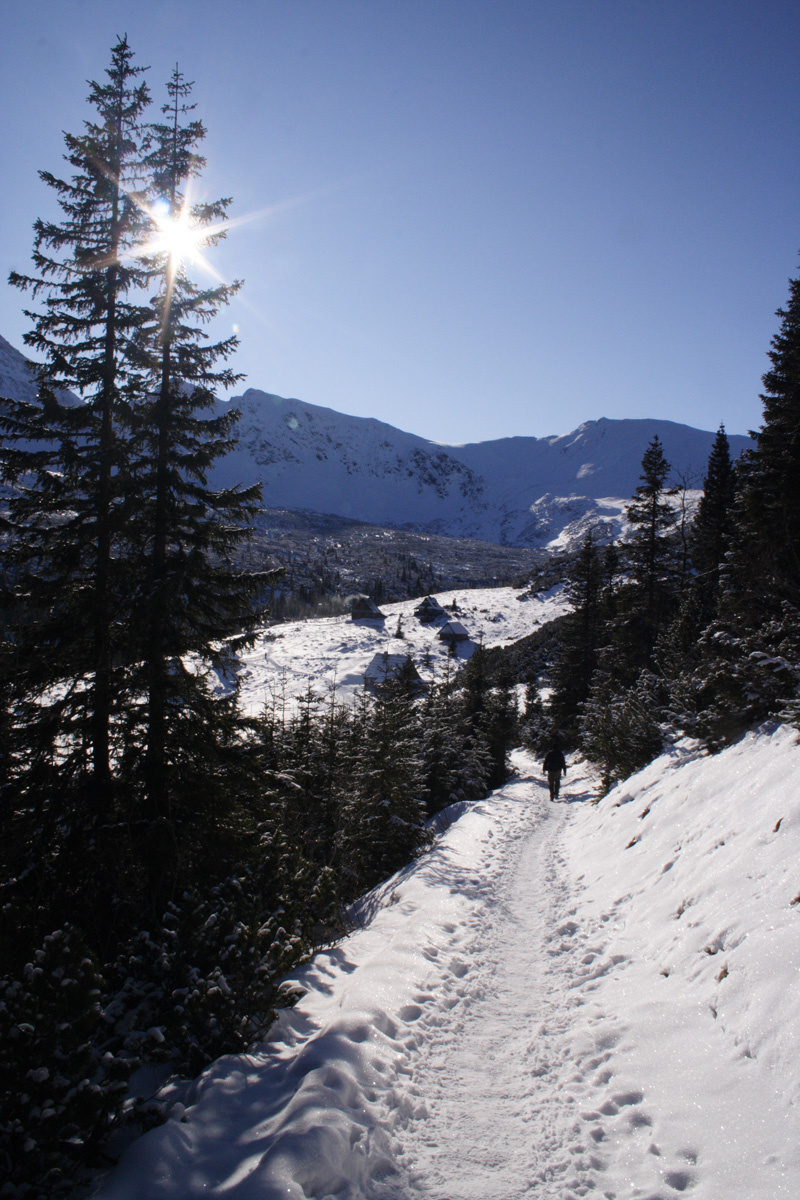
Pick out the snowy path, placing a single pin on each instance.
(512, 1101)
(490, 1074)
(557, 1001)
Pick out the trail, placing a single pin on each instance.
(555, 1001)
(506, 1089)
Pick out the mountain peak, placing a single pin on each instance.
(523, 491)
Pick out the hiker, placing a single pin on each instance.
(554, 766)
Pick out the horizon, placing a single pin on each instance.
(233, 396)
(731, 433)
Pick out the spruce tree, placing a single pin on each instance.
(748, 662)
(580, 639)
(621, 729)
(190, 594)
(711, 531)
(456, 764)
(314, 770)
(648, 600)
(620, 724)
(62, 454)
(382, 818)
(489, 713)
(768, 516)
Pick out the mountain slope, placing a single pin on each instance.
(16, 375)
(557, 1000)
(524, 490)
(311, 457)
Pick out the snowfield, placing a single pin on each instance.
(287, 659)
(556, 1001)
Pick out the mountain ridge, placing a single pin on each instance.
(521, 491)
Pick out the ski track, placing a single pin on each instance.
(514, 1094)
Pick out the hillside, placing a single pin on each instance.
(16, 379)
(555, 1001)
(522, 491)
(286, 658)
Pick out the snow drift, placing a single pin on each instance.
(557, 1000)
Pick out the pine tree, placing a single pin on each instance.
(314, 763)
(711, 531)
(382, 819)
(747, 663)
(64, 597)
(455, 763)
(190, 594)
(648, 600)
(580, 639)
(620, 724)
(767, 567)
(488, 707)
(621, 729)
(61, 1086)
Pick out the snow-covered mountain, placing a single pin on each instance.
(523, 491)
(16, 376)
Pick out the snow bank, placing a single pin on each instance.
(558, 1000)
(692, 871)
(312, 1112)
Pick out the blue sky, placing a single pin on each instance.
(483, 217)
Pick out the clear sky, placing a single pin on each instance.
(483, 217)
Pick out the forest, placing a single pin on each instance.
(165, 860)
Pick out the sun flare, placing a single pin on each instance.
(176, 235)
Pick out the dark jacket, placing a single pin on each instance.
(554, 763)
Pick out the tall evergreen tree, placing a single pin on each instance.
(620, 719)
(769, 506)
(711, 531)
(64, 606)
(648, 600)
(580, 639)
(62, 453)
(488, 707)
(190, 594)
(746, 661)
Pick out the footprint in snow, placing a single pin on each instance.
(679, 1180)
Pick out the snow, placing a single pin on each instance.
(556, 1001)
(522, 491)
(16, 376)
(287, 658)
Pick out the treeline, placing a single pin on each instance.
(164, 860)
(691, 627)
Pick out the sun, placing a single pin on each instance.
(176, 235)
